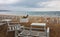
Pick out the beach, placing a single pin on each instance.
(52, 22)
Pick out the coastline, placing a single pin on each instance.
(53, 22)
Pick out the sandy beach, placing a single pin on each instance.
(52, 22)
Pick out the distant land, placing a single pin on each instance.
(5, 10)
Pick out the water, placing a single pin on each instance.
(36, 13)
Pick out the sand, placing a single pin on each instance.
(52, 22)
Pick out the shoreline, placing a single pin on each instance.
(29, 15)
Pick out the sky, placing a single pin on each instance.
(30, 5)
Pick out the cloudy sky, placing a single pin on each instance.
(30, 5)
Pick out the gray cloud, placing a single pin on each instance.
(25, 5)
(29, 3)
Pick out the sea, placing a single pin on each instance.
(32, 13)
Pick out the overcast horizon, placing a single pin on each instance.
(30, 5)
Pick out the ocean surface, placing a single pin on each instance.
(33, 13)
